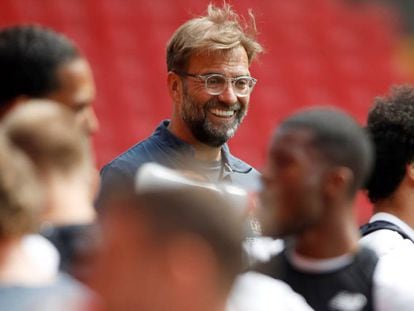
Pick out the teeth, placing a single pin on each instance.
(222, 113)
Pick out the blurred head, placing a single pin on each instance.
(217, 43)
(318, 159)
(49, 135)
(171, 249)
(20, 193)
(37, 62)
(390, 124)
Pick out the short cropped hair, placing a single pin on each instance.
(47, 132)
(199, 211)
(220, 30)
(339, 138)
(391, 126)
(29, 58)
(20, 192)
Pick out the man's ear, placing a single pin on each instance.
(174, 86)
(13, 104)
(409, 168)
(338, 182)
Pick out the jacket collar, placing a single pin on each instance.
(232, 164)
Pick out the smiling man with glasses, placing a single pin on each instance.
(209, 82)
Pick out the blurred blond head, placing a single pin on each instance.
(50, 136)
(20, 193)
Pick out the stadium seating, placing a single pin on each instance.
(318, 52)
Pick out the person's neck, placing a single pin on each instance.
(206, 153)
(203, 152)
(16, 266)
(68, 200)
(400, 204)
(336, 235)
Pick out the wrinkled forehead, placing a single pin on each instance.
(232, 58)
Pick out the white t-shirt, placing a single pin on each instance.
(393, 281)
(43, 254)
(253, 291)
(385, 241)
(394, 274)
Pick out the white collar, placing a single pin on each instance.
(307, 264)
(394, 220)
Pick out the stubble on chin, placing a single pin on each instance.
(195, 115)
(218, 134)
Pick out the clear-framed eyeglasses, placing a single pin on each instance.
(216, 83)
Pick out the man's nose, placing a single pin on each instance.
(228, 96)
(92, 122)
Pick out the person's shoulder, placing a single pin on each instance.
(72, 293)
(65, 294)
(393, 280)
(257, 281)
(129, 161)
(131, 154)
(255, 291)
(149, 149)
(383, 241)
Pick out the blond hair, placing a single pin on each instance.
(20, 192)
(48, 133)
(218, 31)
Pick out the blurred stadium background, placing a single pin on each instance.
(318, 52)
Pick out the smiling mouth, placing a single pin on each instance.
(222, 113)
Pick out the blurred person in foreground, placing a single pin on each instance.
(251, 291)
(167, 249)
(391, 186)
(180, 240)
(37, 63)
(209, 82)
(22, 285)
(49, 135)
(318, 159)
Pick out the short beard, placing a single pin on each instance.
(194, 115)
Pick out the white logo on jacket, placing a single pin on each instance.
(346, 301)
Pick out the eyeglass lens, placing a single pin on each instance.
(216, 84)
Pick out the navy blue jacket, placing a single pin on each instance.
(166, 149)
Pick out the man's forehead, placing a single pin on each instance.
(285, 136)
(295, 141)
(231, 57)
(76, 81)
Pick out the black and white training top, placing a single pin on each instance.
(351, 282)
